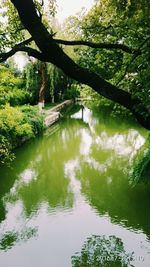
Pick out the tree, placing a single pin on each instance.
(42, 91)
(127, 23)
(48, 50)
(59, 83)
(32, 81)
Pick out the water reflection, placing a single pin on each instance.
(107, 189)
(44, 179)
(9, 239)
(103, 251)
(40, 180)
(73, 182)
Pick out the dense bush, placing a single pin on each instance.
(16, 126)
(33, 117)
(5, 150)
(14, 96)
(11, 88)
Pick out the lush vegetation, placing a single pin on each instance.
(17, 125)
(58, 86)
(141, 165)
(20, 118)
(106, 49)
(11, 88)
(114, 22)
(122, 23)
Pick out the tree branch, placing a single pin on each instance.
(33, 53)
(25, 42)
(42, 3)
(122, 47)
(99, 27)
(30, 51)
(21, 47)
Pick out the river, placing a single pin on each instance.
(66, 200)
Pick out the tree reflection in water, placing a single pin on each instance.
(9, 239)
(102, 251)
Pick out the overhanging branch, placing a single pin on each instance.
(122, 47)
(30, 51)
(21, 44)
(33, 53)
(21, 47)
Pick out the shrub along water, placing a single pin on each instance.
(16, 126)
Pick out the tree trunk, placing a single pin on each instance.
(42, 72)
(53, 53)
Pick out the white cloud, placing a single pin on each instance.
(67, 8)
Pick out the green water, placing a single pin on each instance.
(66, 199)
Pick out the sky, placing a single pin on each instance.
(67, 8)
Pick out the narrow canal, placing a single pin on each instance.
(66, 199)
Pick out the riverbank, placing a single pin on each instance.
(20, 124)
(53, 114)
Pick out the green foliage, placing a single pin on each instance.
(59, 83)
(32, 81)
(120, 22)
(105, 64)
(72, 92)
(17, 126)
(86, 91)
(14, 97)
(33, 118)
(10, 26)
(141, 164)
(5, 150)
(13, 125)
(11, 90)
